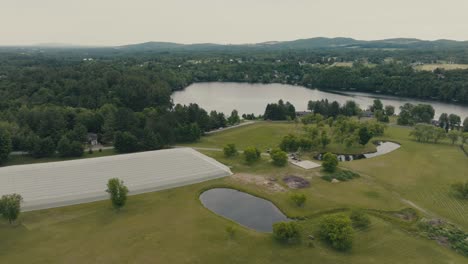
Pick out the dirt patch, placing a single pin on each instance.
(268, 183)
(296, 182)
(443, 241)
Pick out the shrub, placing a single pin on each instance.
(337, 231)
(286, 232)
(461, 189)
(290, 143)
(118, 192)
(279, 157)
(330, 162)
(231, 231)
(360, 219)
(10, 206)
(298, 199)
(230, 150)
(251, 155)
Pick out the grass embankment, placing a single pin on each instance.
(172, 226)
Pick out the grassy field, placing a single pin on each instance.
(26, 159)
(172, 226)
(446, 66)
(421, 173)
(265, 135)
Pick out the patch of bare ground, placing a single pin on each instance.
(296, 182)
(266, 182)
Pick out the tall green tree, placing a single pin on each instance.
(5, 145)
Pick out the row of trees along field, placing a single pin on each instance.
(44, 130)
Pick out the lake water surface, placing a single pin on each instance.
(243, 208)
(253, 98)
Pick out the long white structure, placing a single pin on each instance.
(63, 183)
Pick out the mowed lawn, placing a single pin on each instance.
(421, 173)
(173, 227)
(265, 135)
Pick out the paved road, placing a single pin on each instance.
(231, 127)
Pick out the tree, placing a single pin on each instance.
(251, 155)
(66, 148)
(465, 125)
(454, 121)
(10, 206)
(389, 110)
(464, 137)
(444, 121)
(360, 219)
(461, 189)
(298, 199)
(324, 139)
(230, 150)
(286, 232)
(377, 106)
(234, 118)
(118, 192)
(279, 157)
(364, 135)
(125, 142)
(5, 145)
(453, 136)
(42, 147)
(337, 231)
(289, 143)
(329, 162)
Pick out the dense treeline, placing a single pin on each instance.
(50, 101)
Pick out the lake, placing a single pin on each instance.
(253, 98)
(243, 208)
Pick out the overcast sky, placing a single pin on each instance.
(116, 22)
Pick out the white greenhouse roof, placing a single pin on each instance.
(56, 184)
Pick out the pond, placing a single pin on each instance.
(383, 147)
(245, 209)
(253, 98)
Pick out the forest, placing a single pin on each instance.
(50, 100)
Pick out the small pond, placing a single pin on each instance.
(383, 147)
(245, 209)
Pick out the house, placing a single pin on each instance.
(92, 139)
(303, 113)
(367, 114)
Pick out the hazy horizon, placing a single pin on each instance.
(120, 22)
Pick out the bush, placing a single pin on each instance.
(10, 206)
(279, 157)
(360, 219)
(230, 150)
(286, 232)
(118, 192)
(330, 162)
(251, 155)
(337, 231)
(231, 231)
(298, 199)
(290, 143)
(461, 189)
(66, 148)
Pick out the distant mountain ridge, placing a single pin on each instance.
(311, 43)
(299, 44)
